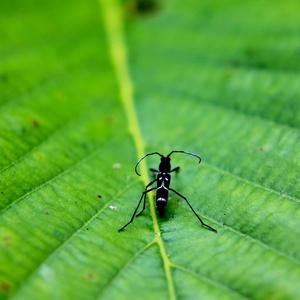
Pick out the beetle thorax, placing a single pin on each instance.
(165, 165)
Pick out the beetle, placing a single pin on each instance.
(163, 180)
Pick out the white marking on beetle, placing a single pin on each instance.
(161, 199)
(162, 186)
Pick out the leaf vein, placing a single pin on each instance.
(59, 175)
(214, 283)
(251, 182)
(130, 261)
(65, 242)
(253, 239)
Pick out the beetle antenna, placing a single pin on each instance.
(143, 158)
(185, 153)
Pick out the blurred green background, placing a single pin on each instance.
(217, 78)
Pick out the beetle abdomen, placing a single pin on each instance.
(160, 206)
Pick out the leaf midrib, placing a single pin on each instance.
(117, 47)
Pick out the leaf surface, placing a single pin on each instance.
(88, 88)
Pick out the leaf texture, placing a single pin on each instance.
(88, 88)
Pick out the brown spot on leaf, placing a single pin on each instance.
(35, 123)
(109, 120)
(5, 286)
(7, 240)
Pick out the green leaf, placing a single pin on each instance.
(88, 88)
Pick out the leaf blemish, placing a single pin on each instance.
(7, 240)
(35, 123)
(261, 149)
(5, 286)
(113, 207)
(47, 273)
(142, 7)
(99, 196)
(109, 121)
(117, 166)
